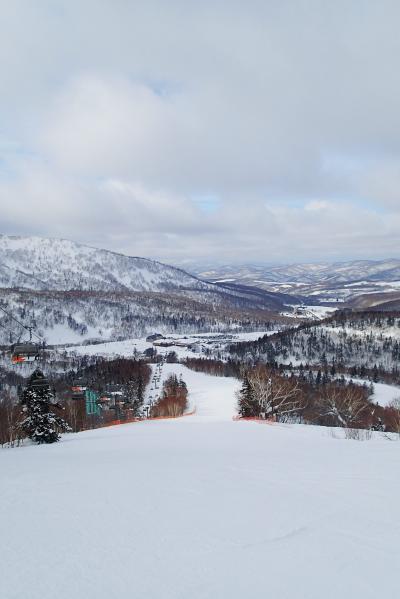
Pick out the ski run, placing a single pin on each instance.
(201, 507)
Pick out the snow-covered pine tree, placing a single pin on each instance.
(141, 385)
(41, 424)
(182, 384)
(247, 403)
(134, 395)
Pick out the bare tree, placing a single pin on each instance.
(341, 406)
(10, 420)
(174, 399)
(275, 395)
(394, 408)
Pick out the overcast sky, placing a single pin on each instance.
(257, 131)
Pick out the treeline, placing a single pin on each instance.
(274, 391)
(123, 379)
(271, 394)
(11, 433)
(323, 345)
(11, 385)
(361, 320)
(119, 371)
(119, 315)
(173, 401)
(214, 367)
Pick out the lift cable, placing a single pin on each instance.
(27, 328)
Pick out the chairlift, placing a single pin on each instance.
(25, 352)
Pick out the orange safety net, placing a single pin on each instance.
(131, 420)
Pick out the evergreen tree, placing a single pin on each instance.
(41, 424)
(134, 395)
(141, 385)
(182, 384)
(247, 402)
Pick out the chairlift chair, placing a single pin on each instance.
(25, 352)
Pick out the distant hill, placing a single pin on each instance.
(326, 282)
(337, 272)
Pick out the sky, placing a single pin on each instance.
(200, 132)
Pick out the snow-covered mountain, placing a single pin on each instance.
(340, 281)
(57, 264)
(69, 292)
(337, 272)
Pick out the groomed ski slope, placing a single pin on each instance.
(201, 507)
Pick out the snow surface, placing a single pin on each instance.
(331, 273)
(305, 311)
(43, 263)
(127, 347)
(62, 333)
(385, 331)
(201, 507)
(383, 393)
(213, 398)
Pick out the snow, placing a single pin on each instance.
(112, 348)
(61, 264)
(385, 331)
(213, 398)
(225, 281)
(252, 336)
(305, 311)
(383, 394)
(321, 311)
(201, 507)
(127, 347)
(62, 333)
(389, 285)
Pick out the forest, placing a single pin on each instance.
(359, 344)
(77, 316)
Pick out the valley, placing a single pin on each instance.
(213, 428)
(196, 410)
(359, 283)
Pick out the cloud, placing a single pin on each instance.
(382, 181)
(119, 120)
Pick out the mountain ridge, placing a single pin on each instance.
(339, 271)
(69, 291)
(42, 263)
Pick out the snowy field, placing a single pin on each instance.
(211, 397)
(383, 394)
(201, 508)
(313, 312)
(128, 347)
(385, 331)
